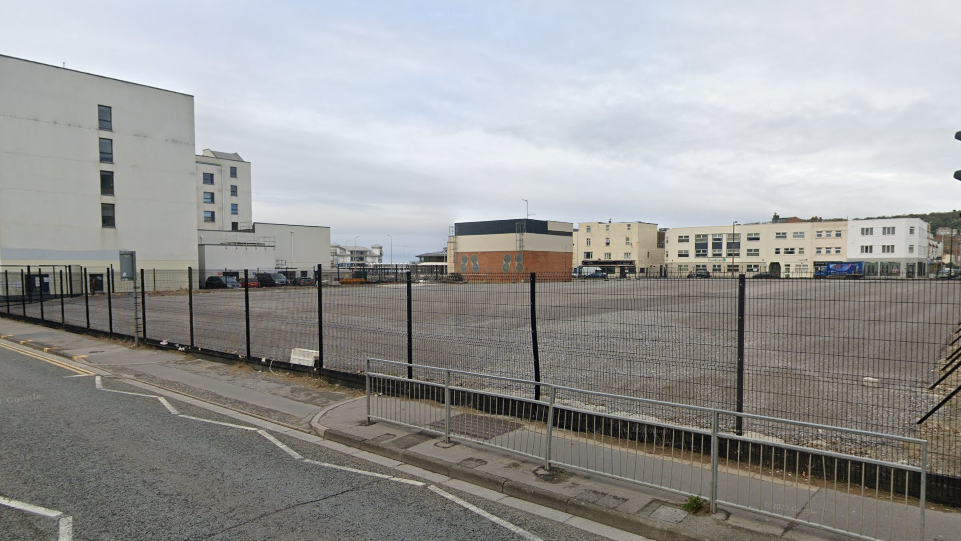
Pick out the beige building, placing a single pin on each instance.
(509, 250)
(624, 249)
(223, 191)
(788, 248)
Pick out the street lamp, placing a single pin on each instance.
(733, 253)
(391, 249)
(527, 207)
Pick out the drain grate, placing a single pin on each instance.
(478, 426)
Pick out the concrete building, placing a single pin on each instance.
(891, 247)
(787, 247)
(341, 256)
(624, 249)
(299, 247)
(223, 191)
(91, 165)
(432, 259)
(510, 250)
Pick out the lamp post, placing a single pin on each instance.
(733, 253)
(391, 249)
(527, 208)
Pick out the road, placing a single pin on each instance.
(125, 467)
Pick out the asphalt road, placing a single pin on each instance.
(124, 467)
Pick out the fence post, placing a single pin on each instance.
(714, 458)
(367, 385)
(739, 406)
(109, 301)
(155, 280)
(63, 313)
(70, 280)
(924, 482)
(23, 294)
(6, 288)
(190, 302)
(85, 286)
(534, 348)
(247, 310)
(40, 279)
(143, 303)
(447, 406)
(410, 328)
(550, 427)
(319, 366)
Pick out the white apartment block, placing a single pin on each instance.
(789, 248)
(223, 191)
(891, 247)
(356, 255)
(90, 166)
(624, 249)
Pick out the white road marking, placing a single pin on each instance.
(231, 425)
(280, 444)
(64, 522)
(98, 382)
(80, 376)
(364, 472)
(167, 405)
(496, 520)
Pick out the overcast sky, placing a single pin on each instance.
(401, 118)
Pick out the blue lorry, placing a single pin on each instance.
(849, 269)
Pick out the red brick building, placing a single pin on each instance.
(509, 250)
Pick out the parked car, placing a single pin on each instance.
(221, 282)
(251, 282)
(766, 275)
(699, 273)
(272, 279)
(596, 274)
(305, 281)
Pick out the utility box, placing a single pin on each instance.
(128, 265)
(303, 357)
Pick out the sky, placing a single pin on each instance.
(390, 121)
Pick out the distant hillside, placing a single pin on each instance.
(948, 218)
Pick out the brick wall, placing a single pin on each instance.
(512, 266)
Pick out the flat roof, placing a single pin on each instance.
(94, 75)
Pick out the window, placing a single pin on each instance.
(106, 183)
(700, 252)
(798, 235)
(234, 226)
(628, 227)
(733, 268)
(210, 216)
(627, 255)
(627, 241)
(837, 249)
(683, 253)
(753, 236)
(233, 208)
(107, 218)
(887, 249)
(208, 197)
(233, 172)
(887, 230)
(800, 251)
(780, 235)
(683, 268)
(105, 116)
(910, 248)
(588, 255)
(828, 234)
(233, 190)
(819, 234)
(209, 178)
(733, 252)
(106, 150)
(716, 268)
(607, 255)
(867, 231)
(817, 250)
(700, 238)
(777, 251)
(867, 249)
(911, 230)
(607, 228)
(753, 252)
(753, 268)
(607, 241)
(789, 251)
(684, 238)
(587, 241)
(837, 234)
(588, 229)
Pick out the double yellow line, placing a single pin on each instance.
(48, 360)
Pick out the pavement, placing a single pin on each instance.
(338, 415)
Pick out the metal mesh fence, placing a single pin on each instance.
(850, 353)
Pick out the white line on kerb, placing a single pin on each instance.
(64, 522)
(364, 472)
(211, 421)
(280, 444)
(496, 520)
